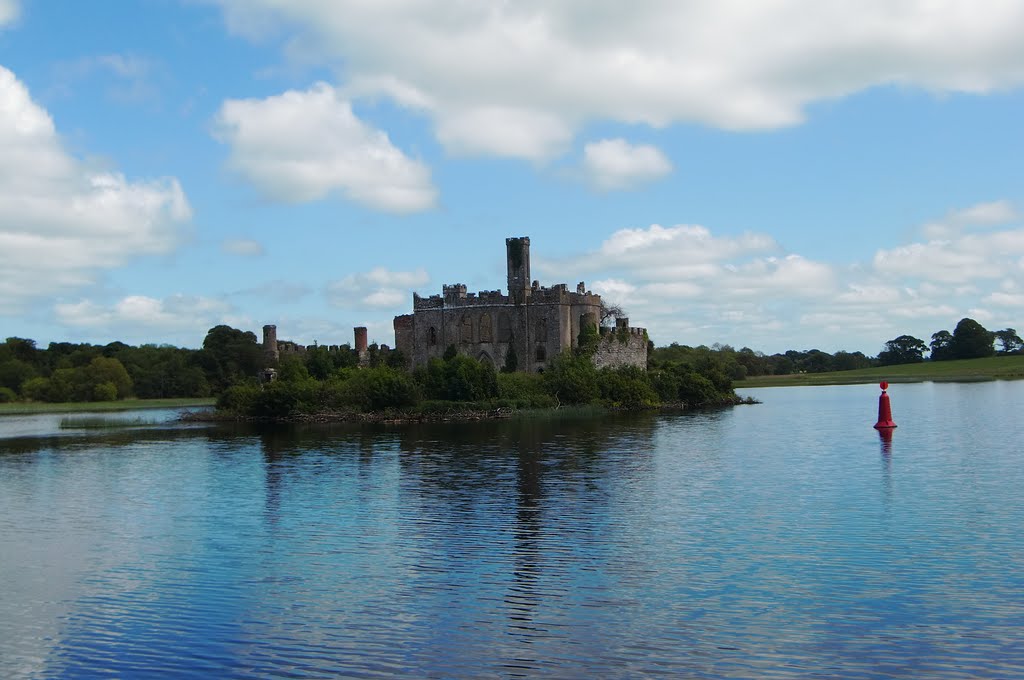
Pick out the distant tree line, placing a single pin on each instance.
(319, 378)
(969, 340)
(462, 382)
(76, 372)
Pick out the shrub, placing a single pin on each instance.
(239, 399)
(626, 386)
(106, 391)
(373, 389)
(572, 379)
(7, 395)
(523, 390)
(459, 378)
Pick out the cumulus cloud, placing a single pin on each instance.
(979, 215)
(683, 251)
(521, 78)
(142, 317)
(379, 287)
(971, 257)
(689, 284)
(61, 221)
(303, 145)
(243, 247)
(616, 164)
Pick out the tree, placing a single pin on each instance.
(1010, 341)
(609, 311)
(231, 355)
(971, 340)
(942, 346)
(906, 349)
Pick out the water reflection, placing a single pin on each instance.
(753, 542)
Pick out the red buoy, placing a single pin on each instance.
(884, 410)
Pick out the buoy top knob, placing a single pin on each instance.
(884, 385)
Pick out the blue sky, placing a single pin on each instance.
(781, 175)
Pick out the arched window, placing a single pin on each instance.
(486, 331)
(542, 330)
(466, 329)
(542, 353)
(504, 328)
(433, 335)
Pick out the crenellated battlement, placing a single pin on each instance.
(529, 324)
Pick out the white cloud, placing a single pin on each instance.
(1005, 299)
(9, 11)
(243, 247)
(979, 215)
(379, 288)
(666, 253)
(521, 78)
(143, 318)
(301, 146)
(687, 284)
(617, 164)
(62, 221)
(972, 257)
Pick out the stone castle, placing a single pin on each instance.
(535, 323)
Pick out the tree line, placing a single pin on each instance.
(65, 372)
(462, 382)
(79, 372)
(968, 340)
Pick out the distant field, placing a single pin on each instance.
(964, 370)
(23, 408)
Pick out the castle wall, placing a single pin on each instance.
(537, 322)
(622, 346)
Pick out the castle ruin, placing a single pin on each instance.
(534, 322)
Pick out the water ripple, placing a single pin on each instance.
(739, 543)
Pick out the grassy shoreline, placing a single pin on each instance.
(962, 370)
(21, 408)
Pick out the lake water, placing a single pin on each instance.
(780, 540)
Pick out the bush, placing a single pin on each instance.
(38, 389)
(459, 378)
(374, 389)
(523, 390)
(239, 399)
(7, 395)
(104, 392)
(697, 390)
(572, 379)
(627, 387)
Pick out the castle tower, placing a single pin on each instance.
(517, 257)
(360, 333)
(270, 352)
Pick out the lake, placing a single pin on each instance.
(778, 540)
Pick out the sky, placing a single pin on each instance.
(776, 175)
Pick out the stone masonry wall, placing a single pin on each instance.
(622, 346)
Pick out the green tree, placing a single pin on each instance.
(1010, 341)
(14, 372)
(232, 356)
(942, 346)
(905, 349)
(971, 340)
(572, 379)
(102, 371)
